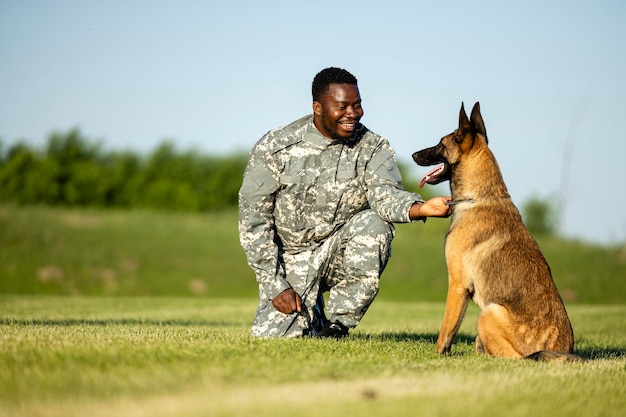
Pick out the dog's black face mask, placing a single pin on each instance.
(432, 156)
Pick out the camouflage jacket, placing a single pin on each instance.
(300, 186)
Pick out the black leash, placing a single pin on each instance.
(304, 312)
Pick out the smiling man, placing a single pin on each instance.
(316, 210)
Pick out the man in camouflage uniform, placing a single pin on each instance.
(316, 208)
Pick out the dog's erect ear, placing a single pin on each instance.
(464, 123)
(477, 121)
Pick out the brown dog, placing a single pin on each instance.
(491, 256)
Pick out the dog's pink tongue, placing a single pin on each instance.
(432, 173)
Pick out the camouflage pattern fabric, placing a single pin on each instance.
(316, 214)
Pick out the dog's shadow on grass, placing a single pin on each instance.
(601, 352)
(589, 353)
(463, 343)
(430, 338)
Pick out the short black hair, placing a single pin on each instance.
(329, 76)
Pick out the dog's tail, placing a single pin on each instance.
(551, 356)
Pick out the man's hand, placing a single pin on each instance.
(435, 207)
(288, 302)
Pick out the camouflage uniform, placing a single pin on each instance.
(316, 214)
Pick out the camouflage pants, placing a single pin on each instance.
(348, 264)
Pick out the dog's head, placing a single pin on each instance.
(453, 147)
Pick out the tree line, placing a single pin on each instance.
(72, 171)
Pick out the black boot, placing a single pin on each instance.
(319, 318)
(335, 330)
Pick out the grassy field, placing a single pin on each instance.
(133, 313)
(167, 356)
(140, 253)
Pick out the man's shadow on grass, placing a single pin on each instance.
(114, 322)
(589, 352)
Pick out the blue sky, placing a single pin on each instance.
(550, 76)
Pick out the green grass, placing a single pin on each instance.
(141, 253)
(94, 252)
(139, 313)
(167, 356)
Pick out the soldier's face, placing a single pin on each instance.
(338, 112)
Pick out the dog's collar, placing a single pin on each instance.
(466, 200)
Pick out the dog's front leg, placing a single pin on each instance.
(456, 305)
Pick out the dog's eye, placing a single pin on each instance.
(456, 139)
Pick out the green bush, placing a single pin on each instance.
(540, 216)
(72, 172)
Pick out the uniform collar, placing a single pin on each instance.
(315, 137)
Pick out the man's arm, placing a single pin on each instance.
(435, 207)
(256, 221)
(389, 198)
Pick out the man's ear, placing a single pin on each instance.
(317, 108)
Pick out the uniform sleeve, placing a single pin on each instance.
(256, 220)
(385, 192)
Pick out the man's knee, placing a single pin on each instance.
(367, 222)
(368, 246)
